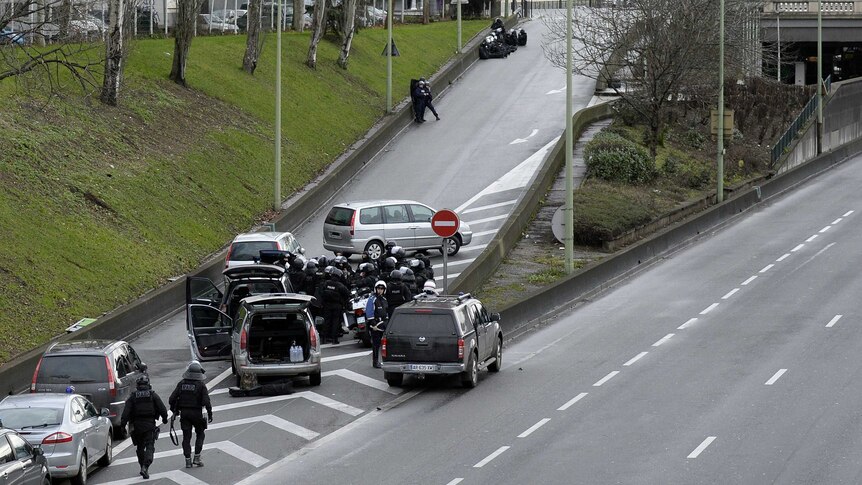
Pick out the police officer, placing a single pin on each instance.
(409, 279)
(419, 101)
(142, 409)
(377, 311)
(364, 279)
(418, 268)
(426, 92)
(397, 292)
(429, 269)
(188, 398)
(296, 275)
(335, 297)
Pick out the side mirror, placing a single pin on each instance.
(495, 317)
(38, 451)
(105, 412)
(301, 250)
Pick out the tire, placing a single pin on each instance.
(46, 481)
(498, 353)
(375, 248)
(453, 244)
(314, 379)
(108, 457)
(235, 373)
(81, 477)
(394, 379)
(470, 377)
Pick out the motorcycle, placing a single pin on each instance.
(355, 319)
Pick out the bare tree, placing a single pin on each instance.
(187, 13)
(318, 26)
(298, 15)
(426, 11)
(348, 29)
(254, 41)
(115, 52)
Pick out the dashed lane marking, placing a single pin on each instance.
(836, 221)
(451, 276)
(847, 213)
(534, 427)
(783, 257)
(825, 229)
(811, 238)
(485, 233)
(709, 309)
(749, 280)
(455, 263)
(797, 248)
(774, 378)
(572, 401)
(456, 481)
(477, 247)
(365, 380)
(685, 325)
(729, 294)
(697, 451)
(228, 447)
(663, 340)
(606, 378)
(833, 321)
(489, 206)
(635, 359)
(490, 457)
(767, 268)
(353, 355)
(487, 219)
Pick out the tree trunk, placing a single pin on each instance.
(183, 33)
(64, 19)
(298, 15)
(426, 11)
(318, 26)
(115, 42)
(254, 41)
(348, 28)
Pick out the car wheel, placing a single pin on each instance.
(108, 457)
(394, 379)
(470, 378)
(498, 357)
(374, 249)
(81, 477)
(452, 245)
(46, 480)
(314, 379)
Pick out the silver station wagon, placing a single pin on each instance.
(356, 227)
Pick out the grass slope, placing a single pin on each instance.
(100, 205)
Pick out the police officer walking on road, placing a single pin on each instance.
(335, 296)
(142, 409)
(188, 398)
(426, 94)
(377, 311)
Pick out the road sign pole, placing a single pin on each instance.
(445, 267)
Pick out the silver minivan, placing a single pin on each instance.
(356, 227)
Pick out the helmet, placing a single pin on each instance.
(421, 82)
(194, 371)
(430, 287)
(399, 252)
(322, 261)
(336, 273)
(389, 263)
(296, 265)
(414, 264)
(340, 261)
(366, 268)
(406, 272)
(143, 381)
(311, 265)
(390, 244)
(329, 270)
(395, 275)
(394, 250)
(380, 283)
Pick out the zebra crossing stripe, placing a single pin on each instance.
(228, 447)
(365, 380)
(175, 476)
(311, 396)
(271, 420)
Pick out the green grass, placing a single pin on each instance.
(100, 205)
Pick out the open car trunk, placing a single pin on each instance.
(270, 336)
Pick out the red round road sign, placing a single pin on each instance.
(445, 223)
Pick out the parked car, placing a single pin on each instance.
(441, 335)
(10, 36)
(71, 433)
(372, 16)
(103, 371)
(245, 248)
(20, 462)
(354, 227)
(259, 340)
(211, 23)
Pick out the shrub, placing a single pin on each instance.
(611, 157)
(604, 210)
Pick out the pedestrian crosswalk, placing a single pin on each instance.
(228, 447)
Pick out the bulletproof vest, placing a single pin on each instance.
(297, 280)
(331, 294)
(189, 396)
(144, 407)
(395, 295)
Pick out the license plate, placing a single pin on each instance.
(360, 319)
(422, 367)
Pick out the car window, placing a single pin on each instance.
(339, 216)
(371, 215)
(17, 418)
(484, 314)
(136, 361)
(62, 369)
(121, 363)
(395, 214)
(6, 453)
(249, 251)
(292, 244)
(240, 317)
(89, 409)
(474, 315)
(421, 213)
(205, 317)
(423, 324)
(20, 448)
(463, 321)
(77, 411)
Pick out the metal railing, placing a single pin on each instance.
(798, 125)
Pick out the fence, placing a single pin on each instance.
(797, 126)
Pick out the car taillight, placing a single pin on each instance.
(35, 373)
(352, 223)
(227, 256)
(460, 348)
(112, 387)
(313, 336)
(243, 339)
(57, 438)
(383, 347)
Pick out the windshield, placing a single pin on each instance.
(63, 369)
(339, 216)
(249, 251)
(423, 324)
(20, 418)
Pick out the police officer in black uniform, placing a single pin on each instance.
(142, 409)
(397, 293)
(296, 275)
(335, 296)
(188, 398)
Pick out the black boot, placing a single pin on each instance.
(188, 462)
(197, 461)
(145, 472)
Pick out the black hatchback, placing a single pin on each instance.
(21, 463)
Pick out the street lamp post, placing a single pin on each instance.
(820, 77)
(719, 191)
(276, 203)
(389, 58)
(570, 186)
(778, 33)
(458, 8)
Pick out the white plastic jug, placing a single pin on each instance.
(296, 353)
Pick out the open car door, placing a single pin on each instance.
(209, 331)
(202, 291)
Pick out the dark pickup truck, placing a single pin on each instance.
(442, 335)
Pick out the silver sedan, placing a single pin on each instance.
(71, 433)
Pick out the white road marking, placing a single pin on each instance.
(836, 221)
(572, 401)
(784, 256)
(663, 340)
(811, 238)
(311, 396)
(797, 248)
(365, 380)
(697, 451)
(606, 378)
(767, 268)
(729, 293)
(847, 213)
(534, 427)
(833, 321)
(825, 229)
(686, 324)
(489, 206)
(455, 481)
(749, 280)
(635, 359)
(451, 276)
(524, 140)
(488, 219)
(556, 91)
(471, 247)
(490, 457)
(455, 263)
(777, 376)
(273, 421)
(333, 358)
(709, 309)
(175, 476)
(484, 233)
(228, 447)
(217, 379)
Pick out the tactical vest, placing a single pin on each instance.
(331, 295)
(189, 396)
(395, 295)
(144, 407)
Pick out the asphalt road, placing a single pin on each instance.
(497, 122)
(734, 360)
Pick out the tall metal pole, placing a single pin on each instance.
(458, 8)
(778, 31)
(389, 59)
(570, 184)
(276, 202)
(819, 77)
(719, 191)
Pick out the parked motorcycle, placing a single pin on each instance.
(492, 48)
(356, 320)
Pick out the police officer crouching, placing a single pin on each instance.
(142, 408)
(188, 398)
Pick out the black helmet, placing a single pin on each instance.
(389, 263)
(389, 245)
(143, 381)
(367, 268)
(336, 273)
(406, 272)
(311, 265)
(328, 271)
(399, 252)
(395, 275)
(296, 265)
(322, 261)
(340, 261)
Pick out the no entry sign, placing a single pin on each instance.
(445, 223)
